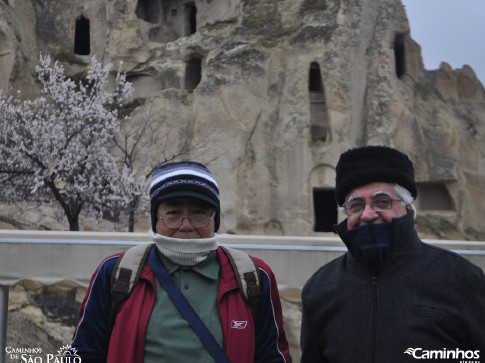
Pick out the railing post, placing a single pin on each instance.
(3, 322)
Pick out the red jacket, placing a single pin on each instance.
(265, 342)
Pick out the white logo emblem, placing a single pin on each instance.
(410, 351)
(468, 356)
(239, 324)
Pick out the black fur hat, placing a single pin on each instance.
(368, 164)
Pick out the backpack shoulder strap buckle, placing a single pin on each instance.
(125, 276)
(247, 276)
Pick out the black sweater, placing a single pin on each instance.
(425, 298)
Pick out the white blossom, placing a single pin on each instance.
(57, 148)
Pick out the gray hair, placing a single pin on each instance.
(406, 197)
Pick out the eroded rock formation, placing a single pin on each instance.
(282, 88)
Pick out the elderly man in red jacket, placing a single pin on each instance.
(185, 212)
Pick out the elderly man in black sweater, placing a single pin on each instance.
(391, 298)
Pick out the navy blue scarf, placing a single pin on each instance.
(370, 244)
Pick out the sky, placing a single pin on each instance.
(451, 31)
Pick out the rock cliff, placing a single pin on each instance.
(279, 88)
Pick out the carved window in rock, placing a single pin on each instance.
(193, 72)
(82, 41)
(173, 18)
(5, 62)
(318, 106)
(434, 196)
(399, 55)
(325, 209)
(190, 18)
(148, 10)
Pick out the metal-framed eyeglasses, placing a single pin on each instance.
(200, 220)
(380, 204)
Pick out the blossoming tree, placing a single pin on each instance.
(57, 148)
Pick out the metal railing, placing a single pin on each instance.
(293, 259)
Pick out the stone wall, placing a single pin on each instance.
(46, 318)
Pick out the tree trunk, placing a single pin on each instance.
(71, 208)
(74, 224)
(72, 211)
(131, 221)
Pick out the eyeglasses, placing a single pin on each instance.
(201, 220)
(380, 204)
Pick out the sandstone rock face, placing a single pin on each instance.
(279, 89)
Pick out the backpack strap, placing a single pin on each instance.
(248, 277)
(125, 276)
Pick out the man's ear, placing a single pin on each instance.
(409, 207)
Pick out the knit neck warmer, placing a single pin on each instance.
(184, 252)
(370, 244)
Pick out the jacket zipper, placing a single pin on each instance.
(374, 318)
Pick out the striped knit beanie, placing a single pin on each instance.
(183, 179)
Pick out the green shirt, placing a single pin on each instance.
(169, 337)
